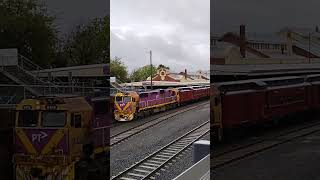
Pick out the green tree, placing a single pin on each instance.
(89, 44)
(26, 25)
(163, 66)
(142, 73)
(118, 69)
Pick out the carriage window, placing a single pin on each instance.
(54, 119)
(76, 121)
(28, 118)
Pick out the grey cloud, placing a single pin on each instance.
(70, 13)
(190, 20)
(263, 16)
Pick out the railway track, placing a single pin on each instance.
(117, 138)
(241, 152)
(148, 167)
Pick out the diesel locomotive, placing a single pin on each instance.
(52, 135)
(129, 105)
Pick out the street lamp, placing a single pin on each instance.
(151, 73)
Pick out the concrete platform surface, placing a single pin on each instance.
(296, 160)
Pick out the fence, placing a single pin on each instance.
(13, 94)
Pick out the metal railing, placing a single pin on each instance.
(20, 92)
(28, 65)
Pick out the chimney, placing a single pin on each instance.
(243, 40)
(185, 74)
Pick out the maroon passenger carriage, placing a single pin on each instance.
(200, 92)
(185, 94)
(258, 100)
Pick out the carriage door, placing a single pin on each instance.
(217, 111)
(77, 132)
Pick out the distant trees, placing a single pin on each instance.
(89, 44)
(162, 66)
(118, 69)
(142, 73)
(25, 25)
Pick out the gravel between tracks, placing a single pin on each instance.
(136, 148)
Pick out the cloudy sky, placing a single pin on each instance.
(263, 16)
(70, 13)
(176, 31)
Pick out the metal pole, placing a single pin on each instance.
(151, 68)
(309, 47)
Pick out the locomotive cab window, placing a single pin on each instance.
(126, 99)
(54, 118)
(118, 98)
(76, 121)
(28, 118)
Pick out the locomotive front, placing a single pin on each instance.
(125, 106)
(45, 139)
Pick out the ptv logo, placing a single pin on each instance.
(38, 137)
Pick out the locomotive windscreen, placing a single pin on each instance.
(118, 98)
(28, 118)
(54, 119)
(126, 98)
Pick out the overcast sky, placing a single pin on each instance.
(176, 31)
(70, 13)
(263, 16)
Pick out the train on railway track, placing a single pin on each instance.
(130, 105)
(58, 137)
(246, 102)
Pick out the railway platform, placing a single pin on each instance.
(290, 157)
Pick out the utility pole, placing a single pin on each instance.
(151, 68)
(309, 47)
